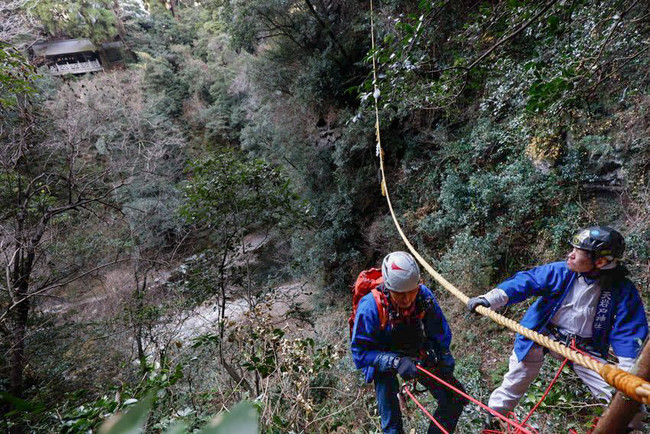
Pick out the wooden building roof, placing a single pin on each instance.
(68, 46)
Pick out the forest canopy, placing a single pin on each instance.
(182, 228)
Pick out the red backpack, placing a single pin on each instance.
(368, 281)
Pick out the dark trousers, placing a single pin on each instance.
(450, 404)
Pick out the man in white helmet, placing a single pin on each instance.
(416, 331)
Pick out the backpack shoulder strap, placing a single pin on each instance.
(382, 305)
(423, 306)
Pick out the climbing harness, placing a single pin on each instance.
(633, 386)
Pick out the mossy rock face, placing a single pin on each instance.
(544, 152)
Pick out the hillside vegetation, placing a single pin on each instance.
(229, 168)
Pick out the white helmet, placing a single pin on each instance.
(400, 271)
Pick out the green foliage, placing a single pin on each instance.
(16, 77)
(163, 81)
(469, 261)
(443, 54)
(242, 419)
(543, 93)
(94, 20)
(151, 207)
(20, 405)
(263, 360)
(490, 198)
(300, 373)
(227, 198)
(87, 416)
(132, 421)
(130, 405)
(233, 195)
(312, 53)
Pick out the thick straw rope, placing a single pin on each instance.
(633, 386)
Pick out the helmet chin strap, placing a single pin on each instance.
(595, 271)
(611, 264)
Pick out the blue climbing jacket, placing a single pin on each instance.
(369, 340)
(620, 319)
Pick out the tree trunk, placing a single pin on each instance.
(21, 315)
(119, 24)
(222, 302)
(20, 279)
(240, 380)
(137, 315)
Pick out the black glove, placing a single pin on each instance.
(475, 302)
(430, 359)
(406, 368)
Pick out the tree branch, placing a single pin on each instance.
(512, 35)
(58, 285)
(327, 28)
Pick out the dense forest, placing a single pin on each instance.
(179, 232)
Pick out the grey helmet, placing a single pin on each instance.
(400, 271)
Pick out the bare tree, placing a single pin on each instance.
(17, 26)
(42, 181)
(62, 165)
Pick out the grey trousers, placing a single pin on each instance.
(521, 374)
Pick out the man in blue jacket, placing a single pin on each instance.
(586, 299)
(416, 332)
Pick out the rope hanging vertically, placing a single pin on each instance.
(633, 386)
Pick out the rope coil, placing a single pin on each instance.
(633, 386)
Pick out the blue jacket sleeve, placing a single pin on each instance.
(630, 323)
(537, 281)
(365, 343)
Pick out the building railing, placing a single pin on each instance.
(76, 68)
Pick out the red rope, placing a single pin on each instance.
(520, 428)
(517, 428)
(584, 353)
(548, 389)
(433, 419)
(573, 346)
(510, 429)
